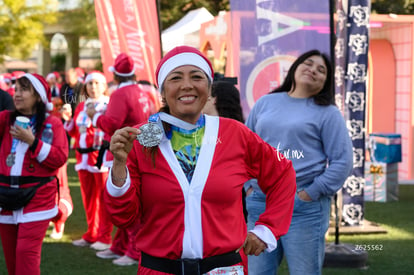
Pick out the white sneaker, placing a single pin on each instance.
(124, 261)
(100, 246)
(57, 235)
(81, 243)
(107, 254)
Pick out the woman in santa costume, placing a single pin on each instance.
(183, 179)
(28, 165)
(92, 179)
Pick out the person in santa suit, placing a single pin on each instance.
(29, 162)
(52, 79)
(183, 179)
(8, 85)
(128, 106)
(92, 179)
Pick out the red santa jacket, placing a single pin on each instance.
(129, 105)
(203, 218)
(44, 161)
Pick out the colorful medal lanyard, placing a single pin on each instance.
(153, 132)
(11, 158)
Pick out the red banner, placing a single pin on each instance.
(129, 26)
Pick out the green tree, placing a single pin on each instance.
(82, 20)
(393, 6)
(21, 26)
(172, 11)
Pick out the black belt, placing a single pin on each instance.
(86, 150)
(20, 180)
(189, 266)
(99, 159)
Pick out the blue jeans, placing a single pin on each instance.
(303, 245)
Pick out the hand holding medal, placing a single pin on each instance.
(121, 143)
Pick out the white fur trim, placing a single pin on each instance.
(44, 152)
(112, 69)
(68, 206)
(95, 118)
(182, 59)
(50, 75)
(21, 149)
(95, 76)
(116, 191)
(264, 234)
(193, 238)
(40, 89)
(49, 106)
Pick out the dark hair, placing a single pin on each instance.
(326, 95)
(25, 83)
(120, 79)
(146, 82)
(227, 100)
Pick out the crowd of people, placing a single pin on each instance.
(191, 187)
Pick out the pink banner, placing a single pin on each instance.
(129, 26)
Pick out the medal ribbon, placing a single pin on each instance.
(177, 122)
(16, 141)
(146, 138)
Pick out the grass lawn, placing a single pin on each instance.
(396, 257)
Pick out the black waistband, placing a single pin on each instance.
(20, 180)
(86, 150)
(189, 266)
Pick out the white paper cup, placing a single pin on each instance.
(22, 121)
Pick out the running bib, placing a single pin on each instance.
(228, 270)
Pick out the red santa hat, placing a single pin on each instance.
(42, 88)
(7, 77)
(17, 74)
(95, 75)
(124, 65)
(179, 56)
(80, 73)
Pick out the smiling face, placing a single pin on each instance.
(186, 89)
(310, 76)
(25, 98)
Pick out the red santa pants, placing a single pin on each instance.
(97, 218)
(124, 242)
(22, 245)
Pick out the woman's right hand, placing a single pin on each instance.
(121, 143)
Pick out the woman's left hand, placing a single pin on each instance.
(253, 245)
(304, 196)
(25, 135)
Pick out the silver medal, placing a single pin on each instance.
(151, 135)
(10, 160)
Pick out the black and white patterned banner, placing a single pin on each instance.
(351, 52)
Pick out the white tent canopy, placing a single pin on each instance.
(186, 30)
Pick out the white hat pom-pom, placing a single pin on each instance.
(49, 106)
